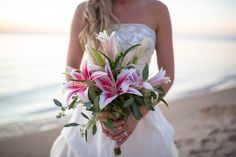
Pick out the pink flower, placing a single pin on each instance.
(108, 44)
(137, 82)
(80, 87)
(111, 89)
(137, 53)
(159, 78)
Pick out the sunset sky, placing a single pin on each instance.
(188, 16)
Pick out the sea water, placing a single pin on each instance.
(32, 66)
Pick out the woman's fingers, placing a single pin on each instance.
(117, 124)
(117, 131)
(122, 140)
(106, 131)
(119, 136)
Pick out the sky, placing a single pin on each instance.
(188, 16)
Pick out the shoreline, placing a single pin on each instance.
(204, 125)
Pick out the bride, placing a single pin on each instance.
(132, 20)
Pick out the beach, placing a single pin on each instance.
(201, 102)
(33, 56)
(205, 125)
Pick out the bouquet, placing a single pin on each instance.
(110, 81)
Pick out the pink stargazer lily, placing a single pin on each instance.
(108, 44)
(159, 78)
(81, 88)
(137, 81)
(111, 88)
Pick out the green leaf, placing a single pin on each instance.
(118, 58)
(161, 89)
(136, 112)
(153, 94)
(94, 130)
(128, 102)
(92, 93)
(109, 124)
(84, 115)
(146, 101)
(139, 100)
(145, 72)
(97, 57)
(78, 71)
(72, 104)
(58, 103)
(87, 105)
(96, 102)
(161, 99)
(148, 104)
(135, 60)
(78, 80)
(71, 124)
(128, 50)
(86, 135)
(109, 60)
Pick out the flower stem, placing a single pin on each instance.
(117, 150)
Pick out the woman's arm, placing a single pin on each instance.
(75, 50)
(165, 59)
(164, 45)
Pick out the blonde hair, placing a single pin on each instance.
(98, 15)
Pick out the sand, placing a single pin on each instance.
(205, 126)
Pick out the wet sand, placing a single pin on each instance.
(205, 126)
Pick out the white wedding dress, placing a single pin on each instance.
(153, 136)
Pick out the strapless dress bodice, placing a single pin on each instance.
(128, 34)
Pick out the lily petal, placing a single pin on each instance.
(85, 70)
(106, 98)
(103, 82)
(70, 94)
(83, 94)
(159, 78)
(108, 43)
(97, 74)
(75, 75)
(146, 85)
(73, 85)
(123, 76)
(109, 72)
(133, 91)
(124, 86)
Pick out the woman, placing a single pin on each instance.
(133, 20)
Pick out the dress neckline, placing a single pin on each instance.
(136, 24)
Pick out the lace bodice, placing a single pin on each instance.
(128, 34)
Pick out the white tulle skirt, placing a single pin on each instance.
(153, 137)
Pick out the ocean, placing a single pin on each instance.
(32, 67)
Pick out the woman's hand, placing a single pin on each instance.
(117, 124)
(124, 131)
(122, 128)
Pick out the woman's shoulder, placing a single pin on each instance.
(80, 8)
(158, 12)
(78, 17)
(157, 6)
